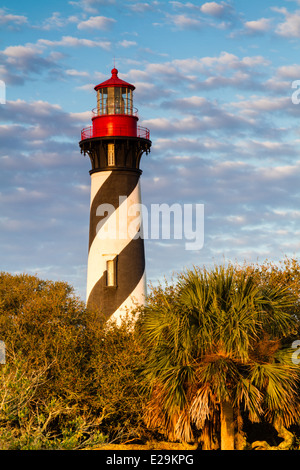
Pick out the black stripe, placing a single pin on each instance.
(119, 183)
(130, 269)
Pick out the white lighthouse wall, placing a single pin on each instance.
(138, 296)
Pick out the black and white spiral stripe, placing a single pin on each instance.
(106, 188)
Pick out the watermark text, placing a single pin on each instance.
(160, 222)
(2, 92)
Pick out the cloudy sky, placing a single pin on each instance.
(214, 86)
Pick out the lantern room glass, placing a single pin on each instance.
(114, 100)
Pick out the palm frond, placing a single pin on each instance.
(214, 337)
(202, 406)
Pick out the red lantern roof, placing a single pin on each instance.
(114, 81)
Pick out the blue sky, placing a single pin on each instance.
(214, 86)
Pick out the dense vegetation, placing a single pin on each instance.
(214, 342)
(68, 381)
(219, 354)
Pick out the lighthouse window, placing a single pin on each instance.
(103, 101)
(119, 101)
(115, 101)
(111, 154)
(98, 102)
(110, 101)
(111, 273)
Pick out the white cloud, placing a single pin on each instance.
(190, 102)
(225, 61)
(213, 8)
(96, 22)
(258, 26)
(39, 121)
(290, 27)
(276, 85)
(21, 52)
(192, 124)
(76, 73)
(255, 61)
(185, 22)
(91, 6)
(9, 19)
(289, 71)
(217, 10)
(57, 21)
(81, 117)
(71, 41)
(88, 87)
(279, 172)
(125, 43)
(207, 73)
(141, 7)
(20, 61)
(265, 104)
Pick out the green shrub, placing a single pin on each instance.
(69, 381)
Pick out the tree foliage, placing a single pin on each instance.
(68, 381)
(219, 337)
(210, 339)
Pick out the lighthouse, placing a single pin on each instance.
(116, 280)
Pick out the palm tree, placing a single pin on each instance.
(214, 352)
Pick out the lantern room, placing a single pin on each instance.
(114, 114)
(114, 96)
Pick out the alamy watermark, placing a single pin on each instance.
(296, 354)
(2, 352)
(2, 92)
(162, 221)
(296, 94)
